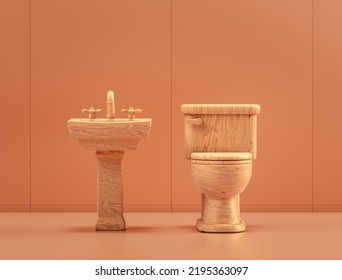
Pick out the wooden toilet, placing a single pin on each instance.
(220, 141)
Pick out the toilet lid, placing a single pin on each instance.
(221, 156)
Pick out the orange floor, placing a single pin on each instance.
(167, 235)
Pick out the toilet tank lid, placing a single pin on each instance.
(220, 109)
(221, 156)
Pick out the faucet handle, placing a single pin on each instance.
(131, 112)
(91, 112)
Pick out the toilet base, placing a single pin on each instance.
(221, 215)
(223, 228)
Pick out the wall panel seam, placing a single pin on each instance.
(312, 103)
(30, 102)
(171, 164)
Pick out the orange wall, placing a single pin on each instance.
(15, 100)
(58, 57)
(327, 134)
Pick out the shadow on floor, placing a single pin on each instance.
(135, 229)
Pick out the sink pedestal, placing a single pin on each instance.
(109, 190)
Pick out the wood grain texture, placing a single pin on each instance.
(221, 133)
(109, 134)
(221, 183)
(110, 198)
(221, 156)
(219, 109)
(220, 140)
(109, 137)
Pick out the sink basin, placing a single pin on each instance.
(109, 134)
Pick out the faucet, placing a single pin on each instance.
(131, 112)
(110, 105)
(91, 112)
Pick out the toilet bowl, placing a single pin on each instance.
(220, 142)
(221, 177)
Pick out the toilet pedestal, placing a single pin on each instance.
(109, 183)
(221, 215)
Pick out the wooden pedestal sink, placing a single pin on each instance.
(109, 138)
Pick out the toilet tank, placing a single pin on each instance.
(220, 128)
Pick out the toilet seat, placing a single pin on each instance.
(221, 156)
